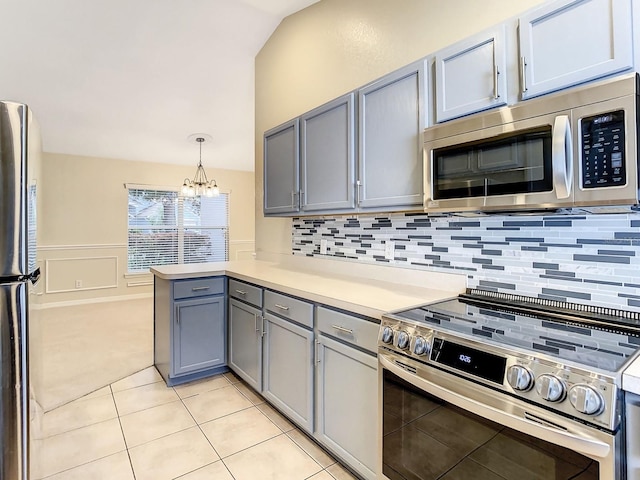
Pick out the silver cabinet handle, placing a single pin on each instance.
(523, 78)
(200, 289)
(496, 72)
(358, 186)
(317, 352)
(241, 292)
(343, 329)
(262, 326)
(255, 318)
(293, 195)
(282, 307)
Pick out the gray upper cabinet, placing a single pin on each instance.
(327, 156)
(281, 180)
(391, 120)
(573, 41)
(471, 75)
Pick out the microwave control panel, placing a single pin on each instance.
(603, 162)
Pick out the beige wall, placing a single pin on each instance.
(83, 222)
(335, 46)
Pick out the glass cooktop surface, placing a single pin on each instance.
(604, 348)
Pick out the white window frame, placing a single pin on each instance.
(180, 226)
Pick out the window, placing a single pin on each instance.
(165, 228)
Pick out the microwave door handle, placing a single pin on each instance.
(562, 157)
(583, 444)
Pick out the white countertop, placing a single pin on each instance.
(361, 291)
(631, 377)
(365, 290)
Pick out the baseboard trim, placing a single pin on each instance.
(88, 301)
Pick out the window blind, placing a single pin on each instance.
(165, 228)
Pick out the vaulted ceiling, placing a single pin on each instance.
(133, 79)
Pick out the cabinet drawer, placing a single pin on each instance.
(288, 307)
(349, 328)
(243, 291)
(198, 287)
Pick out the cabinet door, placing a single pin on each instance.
(198, 334)
(245, 343)
(471, 75)
(288, 369)
(327, 156)
(347, 404)
(572, 41)
(281, 158)
(391, 121)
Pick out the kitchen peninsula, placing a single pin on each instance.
(303, 333)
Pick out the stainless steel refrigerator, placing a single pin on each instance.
(19, 162)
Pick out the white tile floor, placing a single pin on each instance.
(140, 429)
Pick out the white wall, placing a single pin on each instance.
(83, 222)
(335, 46)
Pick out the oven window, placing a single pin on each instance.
(426, 438)
(509, 164)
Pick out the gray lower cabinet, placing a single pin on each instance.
(347, 404)
(245, 342)
(347, 390)
(189, 328)
(199, 339)
(288, 369)
(329, 388)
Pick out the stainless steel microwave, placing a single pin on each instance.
(571, 148)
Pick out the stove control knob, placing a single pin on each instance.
(387, 335)
(403, 340)
(550, 387)
(520, 378)
(420, 346)
(586, 399)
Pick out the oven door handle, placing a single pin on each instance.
(562, 156)
(579, 443)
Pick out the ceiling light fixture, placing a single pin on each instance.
(200, 185)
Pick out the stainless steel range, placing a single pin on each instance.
(494, 386)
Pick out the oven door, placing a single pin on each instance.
(439, 426)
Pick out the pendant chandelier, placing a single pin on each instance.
(200, 185)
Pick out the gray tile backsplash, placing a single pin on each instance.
(575, 257)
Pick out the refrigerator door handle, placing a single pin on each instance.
(34, 276)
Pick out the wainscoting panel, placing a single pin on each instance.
(82, 273)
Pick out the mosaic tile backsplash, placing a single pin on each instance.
(575, 257)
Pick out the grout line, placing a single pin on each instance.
(198, 425)
(124, 438)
